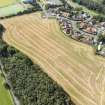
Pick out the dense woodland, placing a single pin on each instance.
(27, 80)
(2, 29)
(104, 2)
(93, 5)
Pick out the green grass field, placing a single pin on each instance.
(6, 2)
(5, 98)
(10, 7)
(98, 1)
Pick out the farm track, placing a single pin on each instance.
(72, 64)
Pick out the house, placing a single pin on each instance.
(68, 31)
(85, 15)
(67, 27)
(61, 21)
(83, 25)
(90, 30)
(80, 16)
(65, 14)
(28, 1)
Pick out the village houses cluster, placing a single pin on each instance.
(79, 25)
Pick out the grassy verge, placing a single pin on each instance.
(5, 97)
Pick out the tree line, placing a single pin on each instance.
(2, 29)
(93, 5)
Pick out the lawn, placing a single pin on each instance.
(5, 98)
(72, 64)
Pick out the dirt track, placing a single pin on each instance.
(72, 64)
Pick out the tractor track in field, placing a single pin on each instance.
(72, 64)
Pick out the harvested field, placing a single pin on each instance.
(72, 64)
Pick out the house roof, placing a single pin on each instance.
(91, 30)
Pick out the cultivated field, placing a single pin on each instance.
(5, 98)
(72, 64)
(6, 2)
(12, 7)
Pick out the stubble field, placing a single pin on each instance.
(72, 64)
